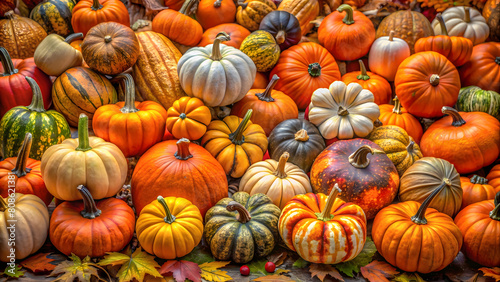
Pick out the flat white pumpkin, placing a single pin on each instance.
(464, 21)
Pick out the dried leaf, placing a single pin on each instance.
(199, 255)
(210, 271)
(13, 272)
(278, 258)
(378, 271)
(364, 258)
(491, 272)
(274, 278)
(83, 270)
(39, 263)
(405, 277)
(300, 263)
(322, 270)
(135, 266)
(473, 278)
(181, 270)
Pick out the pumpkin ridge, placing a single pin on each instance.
(76, 85)
(63, 105)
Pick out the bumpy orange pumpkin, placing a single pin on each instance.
(399, 116)
(375, 83)
(476, 189)
(188, 118)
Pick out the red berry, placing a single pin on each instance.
(270, 267)
(244, 270)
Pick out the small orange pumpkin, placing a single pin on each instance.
(188, 118)
(211, 13)
(378, 85)
(399, 116)
(475, 189)
(494, 177)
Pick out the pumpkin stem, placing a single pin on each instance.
(411, 147)
(129, 89)
(342, 111)
(363, 76)
(90, 210)
(3, 204)
(434, 80)
(266, 95)
(8, 65)
(280, 37)
(280, 170)
(359, 159)
(107, 38)
(467, 14)
(494, 214)
(10, 14)
(217, 3)
(72, 37)
(83, 134)
(37, 101)
(476, 179)
(457, 118)
(349, 15)
(182, 116)
(169, 218)
(301, 135)
(183, 152)
(440, 19)
(314, 69)
(237, 136)
(242, 4)
(221, 36)
(391, 35)
(326, 214)
(419, 217)
(243, 214)
(96, 5)
(497, 60)
(397, 106)
(186, 7)
(377, 123)
(20, 169)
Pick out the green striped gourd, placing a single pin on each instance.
(262, 48)
(54, 16)
(475, 99)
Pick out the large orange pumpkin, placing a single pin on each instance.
(236, 32)
(483, 68)
(494, 177)
(20, 35)
(399, 116)
(476, 189)
(375, 83)
(89, 13)
(211, 13)
(188, 118)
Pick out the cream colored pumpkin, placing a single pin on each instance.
(54, 55)
(463, 21)
(217, 74)
(31, 225)
(343, 111)
(280, 181)
(386, 54)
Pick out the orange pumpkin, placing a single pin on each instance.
(261, 80)
(188, 118)
(236, 32)
(20, 36)
(399, 116)
(476, 189)
(483, 68)
(89, 13)
(304, 10)
(494, 178)
(375, 83)
(211, 13)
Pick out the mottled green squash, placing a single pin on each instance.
(54, 16)
(242, 227)
(474, 99)
(262, 48)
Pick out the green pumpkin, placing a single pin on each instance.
(242, 227)
(262, 48)
(54, 16)
(47, 127)
(475, 99)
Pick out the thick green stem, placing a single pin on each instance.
(220, 37)
(129, 89)
(183, 149)
(457, 118)
(243, 214)
(314, 69)
(266, 95)
(467, 14)
(280, 170)
(397, 106)
(83, 134)
(3, 204)
(186, 7)
(72, 37)
(90, 209)
(169, 217)
(359, 159)
(440, 19)
(37, 101)
(419, 217)
(326, 214)
(301, 135)
(349, 14)
(20, 169)
(476, 179)
(237, 136)
(8, 65)
(363, 76)
(96, 5)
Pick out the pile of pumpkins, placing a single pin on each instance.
(312, 182)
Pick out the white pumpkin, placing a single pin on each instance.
(463, 21)
(386, 54)
(219, 75)
(343, 111)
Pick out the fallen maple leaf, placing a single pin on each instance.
(300, 263)
(39, 263)
(364, 258)
(210, 271)
(13, 272)
(278, 258)
(83, 270)
(322, 270)
(135, 266)
(491, 272)
(199, 255)
(181, 270)
(413, 277)
(378, 271)
(274, 278)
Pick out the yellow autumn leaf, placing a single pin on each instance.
(135, 266)
(210, 271)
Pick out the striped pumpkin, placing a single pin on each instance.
(251, 12)
(475, 99)
(262, 48)
(54, 16)
(80, 90)
(46, 127)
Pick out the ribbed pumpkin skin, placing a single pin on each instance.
(483, 68)
(20, 36)
(229, 239)
(390, 116)
(80, 90)
(251, 13)
(284, 27)
(494, 178)
(456, 49)
(85, 16)
(304, 10)
(381, 89)
(262, 48)
(188, 118)
(474, 99)
(474, 191)
(235, 31)
(209, 14)
(54, 16)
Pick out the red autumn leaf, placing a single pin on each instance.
(39, 263)
(322, 270)
(378, 271)
(491, 272)
(181, 270)
(278, 258)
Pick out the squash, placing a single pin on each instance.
(90, 161)
(464, 21)
(380, 88)
(425, 82)
(188, 118)
(284, 27)
(89, 228)
(475, 99)
(494, 24)
(483, 68)
(494, 178)
(55, 54)
(261, 80)
(81, 90)
(236, 32)
(159, 236)
(262, 48)
(47, 127)
(399, 116)
(242, 227)
(54, 16)
(476, 189)
(110, 48)
(302, 69)
(343, 111)
(386, 54)
(280, 181)
(223, 74)
(300, 137)
(371, 183)
(6, 6)
(480, 227)
(211, 13)
(304, 10)
(178, 169)
(31, 218)
(416, 237)
(89, 13)
(271, 106)
(251, 12)
(488, 7)
(20, 36)
(347, 37)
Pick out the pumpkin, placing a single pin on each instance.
(347, 37)
(251, 12)
(89, 13)
(271, 106)
(55, 54)
(470, 141)
(89, 228)
(29, 4)
(475, 99)
(425, 82)
(284, 27)
(178, 26)
(380, 88)
(236, 32)
(54, 16)
(480, 227)
(304, 10)
(371, 183)
(488, 7)
(407, 25)
(323, 229)
(110, 48)
(178, 169)
(6, 6)
(302, 69)
(386, 54)
(399, 116)
(463, 21)
(355, 3)
(242, 227)
(159, 236)
(188, 118)
(262, 48)
(261, 81)
(15, 89)
(173, 4)
(343, 111)
(494, 178)
(483, 68)
(223, 74)
(236, 143)
(494, 24)
(301, 138)
(47, 127)
(31, 219)
(280, 181)
(90, 161)
(475, 189)
(81, 90)
(212, 13)
(20, 36)
(416, 237)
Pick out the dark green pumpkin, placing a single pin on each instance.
(300, 138)
(474, 99)
(54, 16)
(47, 127)
(242, 227)
(262, 48)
